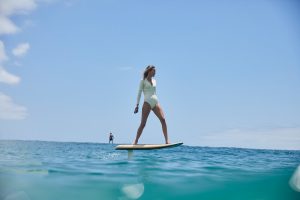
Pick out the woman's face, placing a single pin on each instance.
(152, 72)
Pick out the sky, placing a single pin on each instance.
(228, 72)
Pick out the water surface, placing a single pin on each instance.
(38, 170)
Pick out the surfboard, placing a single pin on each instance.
(146, 146)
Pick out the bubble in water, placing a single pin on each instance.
(295, 180)
(20, 195)
(111, 156)
(133, 191)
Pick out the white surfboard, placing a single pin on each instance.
(146, 146)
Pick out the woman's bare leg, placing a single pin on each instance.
(160, 114)
(145, 113)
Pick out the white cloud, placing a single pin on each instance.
(3, 55)
(8, 78)
(13, 7)
(277, 138)
(7, 26)
(10, 7)
(21, 49)
(10, 110)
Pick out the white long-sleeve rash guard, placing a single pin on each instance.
(149, 91)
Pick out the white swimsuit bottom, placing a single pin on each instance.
(152, 101)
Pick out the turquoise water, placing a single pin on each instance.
(51, 170)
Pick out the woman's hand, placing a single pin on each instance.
(136, 110)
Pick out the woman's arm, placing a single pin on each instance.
(139, 96)
(140, 92)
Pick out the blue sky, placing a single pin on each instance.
(228, 73)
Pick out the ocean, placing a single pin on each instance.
(36, 170)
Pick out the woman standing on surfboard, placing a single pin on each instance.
(148, 86)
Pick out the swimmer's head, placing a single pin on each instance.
(150, 70)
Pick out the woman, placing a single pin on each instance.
(148, 86)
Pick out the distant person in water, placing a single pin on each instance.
(148, 87)
(111, 138)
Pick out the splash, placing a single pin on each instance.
(295, 180)
(133, 191)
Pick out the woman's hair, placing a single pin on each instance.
(148, 68)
